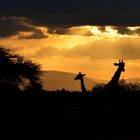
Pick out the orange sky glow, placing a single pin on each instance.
(88, 49)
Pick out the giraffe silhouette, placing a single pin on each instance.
(80, 77)
(113, 83)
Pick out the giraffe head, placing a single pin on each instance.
(79, 76)
(120, 65)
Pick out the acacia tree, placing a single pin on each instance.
(15, 69)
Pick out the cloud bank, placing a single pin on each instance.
(10, 26)
(105, 49)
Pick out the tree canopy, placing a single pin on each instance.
(16, 70)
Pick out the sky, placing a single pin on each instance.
(76, 35)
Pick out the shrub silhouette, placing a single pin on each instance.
(16, 71)
(123, 89)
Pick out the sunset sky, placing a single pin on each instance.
(75, 35)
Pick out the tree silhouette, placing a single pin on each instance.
(17, 71)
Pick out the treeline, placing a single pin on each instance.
(21, 77)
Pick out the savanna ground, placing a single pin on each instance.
(68, 115)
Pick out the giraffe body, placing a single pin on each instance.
(113, 84)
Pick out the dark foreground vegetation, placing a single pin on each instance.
(73, 117)
(29, 112)
(39, 114)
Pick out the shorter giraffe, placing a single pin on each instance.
(80, 77)
(112, 85)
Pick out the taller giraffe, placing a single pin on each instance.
(115, 79)
(80, 77)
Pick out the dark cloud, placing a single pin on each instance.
(123, 30)
(35, 36)
(82, 31)
(74, 12)
(58, 30)
(10, 26)
(127, 31)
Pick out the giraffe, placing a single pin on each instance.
(113, 83)
(80, 77)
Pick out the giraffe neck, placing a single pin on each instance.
(116, 77)
(83, 86)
